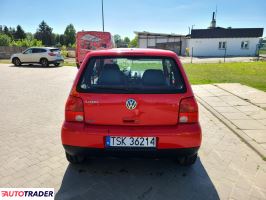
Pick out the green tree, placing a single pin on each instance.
(57, 40)
(45, 34)
(127, 40)
(117, 39)
(134, 42)
(19, 33)
(70, 35)
(29, 36)
(5, 40)
(53, 39)
(12, 32)
(6, 31)
(62, 39)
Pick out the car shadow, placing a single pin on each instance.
(35, 66)
(136, 179)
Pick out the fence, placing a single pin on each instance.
(6, 52)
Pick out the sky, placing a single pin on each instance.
(123, 17)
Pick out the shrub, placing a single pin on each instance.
(5, 40)
(26, 43)
(134, 42)
(64, 51)
(187, 52)
(73, 45)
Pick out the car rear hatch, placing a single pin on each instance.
(126, 92)
(55, 52)
(114, 109)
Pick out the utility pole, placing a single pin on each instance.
(102, 16)
(224, 53)
(191, 55)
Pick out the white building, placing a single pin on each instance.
(217, 42)
(173, 42)
(211, 42)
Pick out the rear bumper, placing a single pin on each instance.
(79, 138)
(130, 152)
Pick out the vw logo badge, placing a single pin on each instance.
(131, 104)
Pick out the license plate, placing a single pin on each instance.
(120, 141)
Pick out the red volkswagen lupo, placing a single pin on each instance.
(131, 102)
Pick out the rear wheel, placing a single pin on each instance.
(75, 159)
(44, 62)
(188, 160)
(16, 62)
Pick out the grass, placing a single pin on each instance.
(138, 65)
(5, 61)
(262, 51)
(72, 64)
(248, 73)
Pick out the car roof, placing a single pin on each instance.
(43, 47)
(132, 52)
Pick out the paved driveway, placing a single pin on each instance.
(32, 109)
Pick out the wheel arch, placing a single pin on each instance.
(43, 58)
(15, 58)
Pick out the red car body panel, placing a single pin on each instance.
(178, 136)
(153, 109)
(157, 118)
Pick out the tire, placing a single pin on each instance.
(56, 64)
(16, 62)
(188, 160)
(44, 62)
(75, 159)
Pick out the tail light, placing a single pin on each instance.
(188, 110)
(52, 54)
(74, 109)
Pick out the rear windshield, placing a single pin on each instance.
(131, 75)
(54, 50)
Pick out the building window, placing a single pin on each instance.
(222, 45)
(244, 45)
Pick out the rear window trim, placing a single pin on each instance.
(116, 91)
